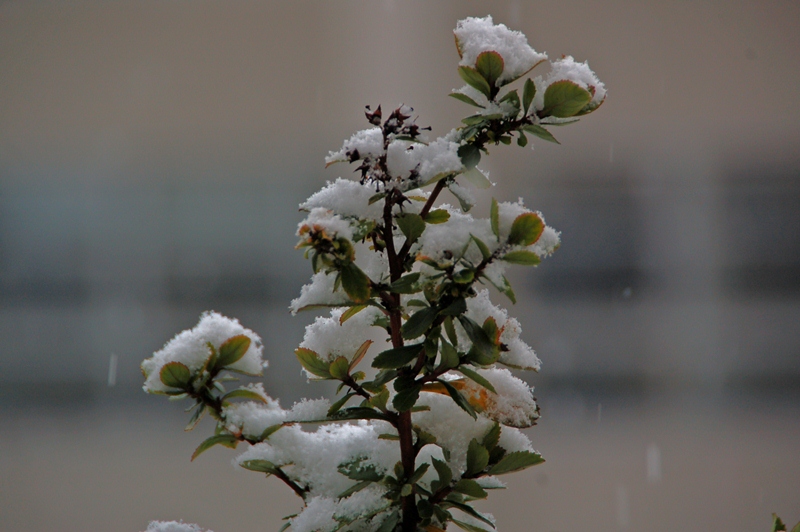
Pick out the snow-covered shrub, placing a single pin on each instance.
(427, 414)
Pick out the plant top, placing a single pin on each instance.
(427, 415)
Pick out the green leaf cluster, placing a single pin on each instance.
(778, 525)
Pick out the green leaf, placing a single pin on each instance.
(228, 440)
(418, 474)
(796, 528)
(477, 178)
(516, 461)
(438, 177)
(359, 355)
(339, 368)
(177, 396)
(418, 323)
(397, 357)
(458, 306)
(357, 470)
(511, 97)
(350, 312)
(492, 438)
(451, 331)
(777, 523)
(335, 407)
(496, 454)
(358, 412)
(528, 92)
(405, 399)
(540, 132)
(196, 416)
(269, 431)
(564, 99)
(244, 393)
(494, 215)
(175, 375)
(412, 225)
(464, 276)
(490, 66)
(523, 257)
(383, 377)
(464, 98)
(467, 509)
(437, 216)
(464, 198)
(211, 361)
(445, 474)
(380, 399)
(477, 377)
(405, 284)
(475, 80)
(522, 141)
(313, 363)
(232, 350)
(508, 291)
(260, 466)
(483, 346)
(390, 523)
(449, 355)
(470, 488)
(355, 283)
(474, 120)
(442, 515)
(355, 488)
(432, 344)
(468, 527)
(477, 457)
(425, 508)
(399, 472)
(526, 229)
(484, 249)
(469, 154)
(459, 399)
(423, 438)
(377, 197)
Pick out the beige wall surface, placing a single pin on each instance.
(152, 157)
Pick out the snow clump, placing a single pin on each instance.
(190, 348)
(477, 35)
(173, 526)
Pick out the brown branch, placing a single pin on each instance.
(301, 492)
(349, 381)
(439, 496)
(395, 267)
(408, 458)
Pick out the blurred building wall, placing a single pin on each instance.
(152, 156)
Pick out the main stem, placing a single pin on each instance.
(404, 425)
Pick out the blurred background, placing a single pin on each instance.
(152, 157)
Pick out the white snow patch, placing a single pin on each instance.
(477, 35)
(173, 526)
(190, 348)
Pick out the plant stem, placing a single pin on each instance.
(408, 459)
(408, 454)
